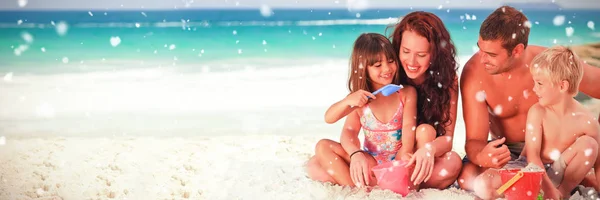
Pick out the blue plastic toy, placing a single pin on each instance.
(388, 89)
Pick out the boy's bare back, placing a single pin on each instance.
(560, 130)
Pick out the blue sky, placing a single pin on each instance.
(171, 4)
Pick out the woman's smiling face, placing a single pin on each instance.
(414, 55)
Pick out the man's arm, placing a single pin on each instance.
(590, 83)
(475, 113)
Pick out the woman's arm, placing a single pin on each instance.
(443, 144)
(409, 121)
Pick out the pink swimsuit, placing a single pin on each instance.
(382, 140)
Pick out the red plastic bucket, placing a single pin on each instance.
(392, 176)
(527, 187)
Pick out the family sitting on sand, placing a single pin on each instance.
(521, 95)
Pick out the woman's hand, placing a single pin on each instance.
(359, 169)
(358, 98)
(423, 159)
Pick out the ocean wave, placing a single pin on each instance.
(183, 23)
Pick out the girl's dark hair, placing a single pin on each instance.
(368, 49)
(433, 105)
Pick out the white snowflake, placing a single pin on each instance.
(480, 96)
(239, 51)
(137, 25)
(357, 5)
(439, 85)
(587, 162)
(514, 35)
(396, 163)
(554, 155)
(558, 20)
(428, 146)
(588, 152)
(414, 128)
(510, 98)
(22, 3)
(266, 11)
(590, 24)
(264, 42)
(65, 60)
(533, 139)
(172, 46)
(569, 30)
(2, 140)
(27, 37)
(529, 193)
(115, 41)
(61, 28)
(498, 110)
(527, 24)
(443, 173)
(330, 172)
(526, 94)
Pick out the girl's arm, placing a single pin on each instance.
(349, 138)
(409, 121)
(443, 144)
(344, 107)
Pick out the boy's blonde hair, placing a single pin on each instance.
(559, 63)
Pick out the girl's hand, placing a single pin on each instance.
(359, 169)
(424, 160)
(358, 98)
(406, 157)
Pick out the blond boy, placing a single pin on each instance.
(561, 134)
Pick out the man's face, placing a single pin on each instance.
(493, 56)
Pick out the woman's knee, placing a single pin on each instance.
(424, 133)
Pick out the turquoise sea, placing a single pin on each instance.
(194, 72)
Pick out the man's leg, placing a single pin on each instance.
(468, 174)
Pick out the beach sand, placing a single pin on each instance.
(227, 167)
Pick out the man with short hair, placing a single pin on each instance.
(496, 90)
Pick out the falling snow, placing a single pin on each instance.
(527, 24)
(526, 94)
(8, 77)
(357, 5)
(115, 41)
(554, 154)
(533, 139)
(266, 11)
(172, 46)
(514, 35)
(330, 172)
(27, 37)
(414, 128)
(590, 24)
(440, 85)
(22, 3)
(558, 20)
(498, 110)
(569, 31)
(65, 60)
(588, 152)
(510, 98)
(443, 173)
(529, 193)
(61, 28)
(480, 96)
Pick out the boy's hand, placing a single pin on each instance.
(358, 98)
(494, 155)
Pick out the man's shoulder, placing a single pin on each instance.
(471, 70)
(535, 49)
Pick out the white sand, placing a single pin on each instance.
(223, 167)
